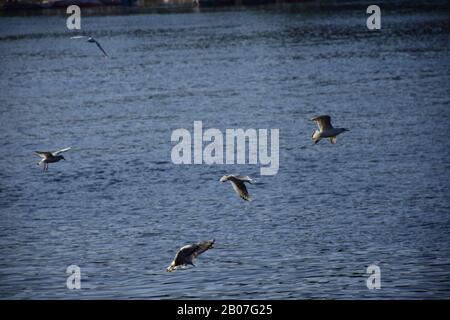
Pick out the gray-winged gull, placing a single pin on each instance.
(238, 183)
(92, 40)
(50, 157)
(326, 130)
(187, 254)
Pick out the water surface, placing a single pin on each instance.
(119, 208)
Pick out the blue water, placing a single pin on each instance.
(120, 209)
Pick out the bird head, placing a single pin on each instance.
(224, 178)
(170, 268)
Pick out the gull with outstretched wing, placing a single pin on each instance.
(238, 183)
(187, 254)
(92, 40)
(326, 130)
(50, 157)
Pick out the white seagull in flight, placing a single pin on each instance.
(50, 157)
(238, 185)
(326, 130)
(92, 40)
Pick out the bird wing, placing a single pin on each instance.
(182, 255)
(44, 154)
(100, 47)
(244, 178)
(188, 253)
(324, 122)
(60, 151)
(240, 188)
(201, 247)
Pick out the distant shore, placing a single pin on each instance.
(113, 7)
(12, 5)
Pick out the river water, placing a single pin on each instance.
(120, 209)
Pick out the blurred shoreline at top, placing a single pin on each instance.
(113, 7)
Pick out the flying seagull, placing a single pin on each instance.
(92, 40)
(50, 157)
(187, 254)
(326, 130)
(238, 185)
